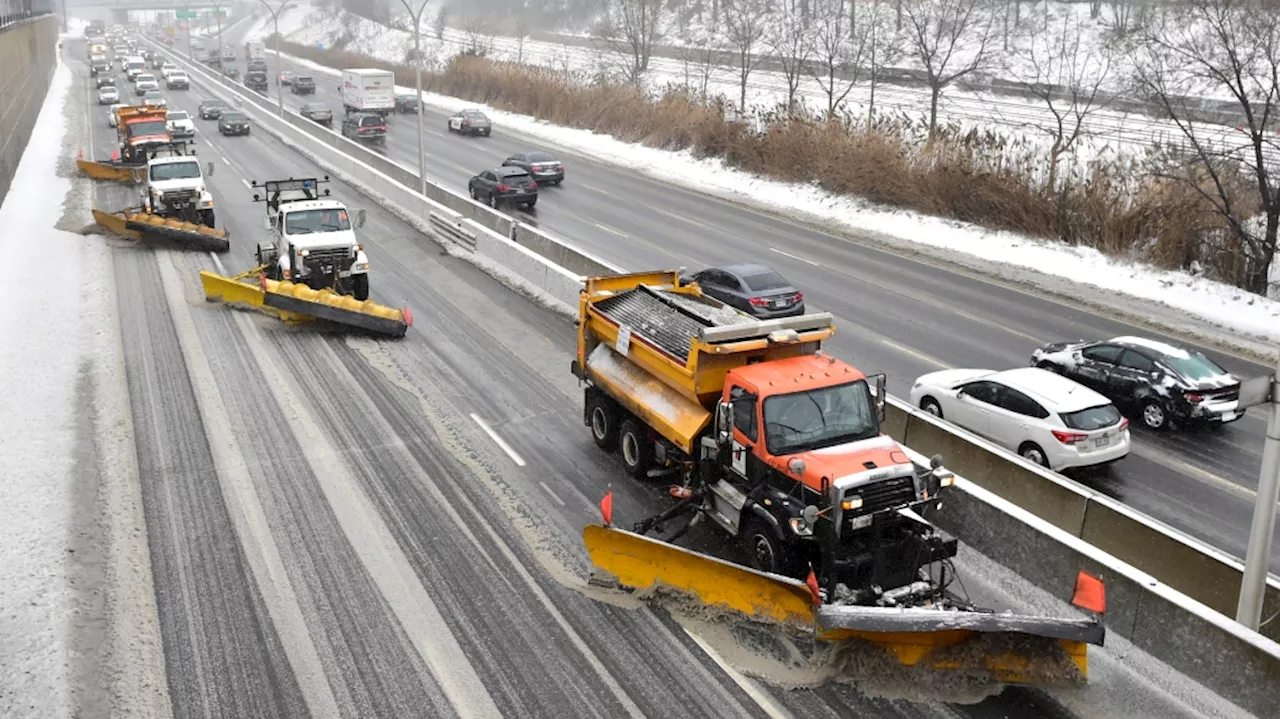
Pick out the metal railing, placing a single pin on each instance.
(13, 19)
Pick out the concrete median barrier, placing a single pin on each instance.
(28, 58)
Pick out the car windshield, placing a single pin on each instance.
(515, 177)
(179, 115)
(233, 116)
(764, 281)
(153, 95)
(819, 418)
(175, 171)
(1092, 418)
(304, 222)
(473, 116)
(150, 127)
(1194, 367)
(302, 78)
(540, 157)
(314, 107)
(371, 122)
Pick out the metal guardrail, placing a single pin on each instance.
(14, 19)
(451, 228)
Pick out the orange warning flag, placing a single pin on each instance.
(606, 508)
(812, 582)
(1090, 594)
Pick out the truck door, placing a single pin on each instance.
(745, 431)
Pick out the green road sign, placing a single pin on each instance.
(186, 15)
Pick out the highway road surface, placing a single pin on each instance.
(898, 313)
(340, 526)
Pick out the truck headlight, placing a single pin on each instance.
(851, 504)
(801, 527)
(360, 267)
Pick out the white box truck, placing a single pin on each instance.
(368, 91)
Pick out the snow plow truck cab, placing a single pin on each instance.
(313, 238)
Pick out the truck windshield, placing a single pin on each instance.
(819, 418)
(303, 222)
(150, 127)
(175, 171)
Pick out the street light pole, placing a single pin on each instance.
(217, 15)
(275, 20)
(417, 71)
(1257, 558)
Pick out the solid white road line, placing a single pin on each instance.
(499, 441)
(794, 257)
(747, 684)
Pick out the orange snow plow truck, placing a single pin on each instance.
(779, 445)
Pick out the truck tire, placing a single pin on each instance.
(206, 218)
(360, 287)
(763, 550)
(602, 418)
(637, 448)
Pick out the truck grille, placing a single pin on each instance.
(884, 494)
(178, 199)
(339, 257)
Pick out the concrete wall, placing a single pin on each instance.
(28, 57)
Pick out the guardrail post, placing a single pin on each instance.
(1258, 557)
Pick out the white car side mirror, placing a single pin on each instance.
(361, 216)
(209, 169)
(266, 224)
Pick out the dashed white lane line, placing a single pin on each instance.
(218, 263)
(553, 494)
(499, 441)
(246, 183)
(794, 257)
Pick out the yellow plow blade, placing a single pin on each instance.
(1002, 647)
(115, 224)
(188, 234)
(110, 171)
(340, 309)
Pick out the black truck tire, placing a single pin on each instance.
(637, 448)
(602, 418)
(360, 287)
(763, 549)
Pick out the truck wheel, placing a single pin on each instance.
(764, 552)
(602, 417)
(360, 287)
(206, 218)
(637, 448)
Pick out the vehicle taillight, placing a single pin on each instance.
(503, 188)
(559, 168)
(1194, 397)
(799, 297)
(1124, 423)
(533, 185)
(468, 123)
(1069, 437)
(756, 302)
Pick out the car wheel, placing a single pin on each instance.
(931, 406)
(602, 417)
(493, 201)
(1032, 452)
(472, 190)
(530, 204)
(1154, 415)
(637, 448)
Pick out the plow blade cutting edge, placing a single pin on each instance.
(144, 226)
(1016, 649)
(114, 171)
(295, 303)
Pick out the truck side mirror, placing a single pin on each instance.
(361, 215)
(208, 169)
(724, 417)
(266, 223)
(881, 397)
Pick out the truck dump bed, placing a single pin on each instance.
(662, 349)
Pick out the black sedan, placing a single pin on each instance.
(303, 85)
(1163, 383)
(544, 168)
(407, 102)
(317, 112)
(233, 122)
(754, 289)
(504, 186)
(211, 109)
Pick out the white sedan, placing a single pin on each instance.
(108, 94)
(112, 117)
(1044, 417)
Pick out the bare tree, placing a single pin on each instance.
(631, 28)
(700, 55)
(950, 39)
(789, 41)
(883, 48)
(1232, 48)
(479, 41)
(1067, 76)
(745, 25)
(522, 33)
(440, 22)
(836, 50)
